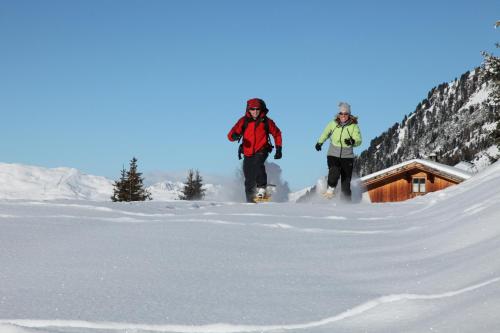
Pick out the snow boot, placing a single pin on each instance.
(330, 192)
(261, 193)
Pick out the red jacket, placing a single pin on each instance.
(255, 138)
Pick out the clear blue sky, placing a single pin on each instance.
(89, 84)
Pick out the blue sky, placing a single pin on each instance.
(89, 84)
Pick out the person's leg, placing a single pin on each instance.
(333, 170)
(249, 173)
(261, 175)
(346, 175)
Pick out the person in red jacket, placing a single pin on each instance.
(254, 127)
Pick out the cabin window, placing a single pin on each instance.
(419, 185)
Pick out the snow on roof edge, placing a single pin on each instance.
(438, 166)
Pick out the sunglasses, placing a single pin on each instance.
(254, 109)
(343, 114)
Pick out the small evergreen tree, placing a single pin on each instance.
(136, 189)
(119, 187)
(130, 186)
(198, 186)
(193, 187)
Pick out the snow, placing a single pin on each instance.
(438, 166)
(483, 159)
(294, 196)
(427, 264)
(37, 183)
(168, 191)
(478, 97)
(432, 109)
(489, 127)
(19, 181)
(401, 138)
(466, 166)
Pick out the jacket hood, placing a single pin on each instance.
(254, 103)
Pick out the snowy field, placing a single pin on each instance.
(426, 265)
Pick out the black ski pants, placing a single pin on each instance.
(255, 173)
(340, 168)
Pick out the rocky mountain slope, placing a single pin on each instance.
(455, 122)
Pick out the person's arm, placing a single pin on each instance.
(275, 132)
(235, 132)
(326, 132)
(356, 135)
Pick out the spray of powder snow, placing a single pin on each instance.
(234, 189)
(315, 194)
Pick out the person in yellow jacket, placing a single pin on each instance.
(344, 135)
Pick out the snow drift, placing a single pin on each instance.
(428, 264)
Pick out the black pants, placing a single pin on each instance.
(255, 173)
(340, 168)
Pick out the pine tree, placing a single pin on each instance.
(198, 186)
(136, 190)
(119, 187)
(193, 187)
(130, 186)
(188, 190)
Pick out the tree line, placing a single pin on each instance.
(130, 186)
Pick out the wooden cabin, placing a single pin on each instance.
(410, 179)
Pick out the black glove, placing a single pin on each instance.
(349, 141)
(278, 153)
(235, 136)
(318, 146)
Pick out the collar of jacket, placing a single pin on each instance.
(259, 118)
(351, 120)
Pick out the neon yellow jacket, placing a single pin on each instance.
(338, 134)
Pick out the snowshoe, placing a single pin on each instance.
(330, 193)
(264, 194)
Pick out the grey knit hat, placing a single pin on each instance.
(344, 107)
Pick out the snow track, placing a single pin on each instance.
(230, 328)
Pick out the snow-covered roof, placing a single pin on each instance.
(466, 166)
(435, 165)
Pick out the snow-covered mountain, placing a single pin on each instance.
(423, 265)
(455, 122)
(19, 181)
(169, 190)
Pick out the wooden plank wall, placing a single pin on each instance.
(439, 184)
(399, 187)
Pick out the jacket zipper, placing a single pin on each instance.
(341, 146)
(254, 135)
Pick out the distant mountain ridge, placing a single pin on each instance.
(170, 190)
(18, 181)
(455, 122)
